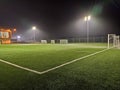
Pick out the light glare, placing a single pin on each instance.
(85, 19)
(18, 37)
(33, 28)
(89, 17)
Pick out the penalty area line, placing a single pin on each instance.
(54, 68)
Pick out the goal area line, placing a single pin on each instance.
(51, 69)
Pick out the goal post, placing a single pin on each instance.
(63, 41)
(117, 41)
(43, 41)
(113, 40)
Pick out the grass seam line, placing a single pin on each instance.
(54, 68)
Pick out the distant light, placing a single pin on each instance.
(34, 28)
(89, 17)
(14, 30)
(18, 37)
(85, 19)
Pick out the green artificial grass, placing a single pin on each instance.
(99, 72)
(42, 57)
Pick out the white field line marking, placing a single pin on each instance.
(43, 72)
(73, 61)
(17, 66)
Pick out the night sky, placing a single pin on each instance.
(56, 18)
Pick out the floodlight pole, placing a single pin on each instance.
(87, 19)
(34, 36)
(108, 41)
(87, 31)
(34, 29)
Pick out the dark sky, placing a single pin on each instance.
(54, 17)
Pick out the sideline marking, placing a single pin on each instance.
(46, 71)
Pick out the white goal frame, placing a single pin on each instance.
(115, 40)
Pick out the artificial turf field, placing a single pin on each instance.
(98, 72)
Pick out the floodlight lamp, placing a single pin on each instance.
(89, 17)
(85, 18)
(18, 37)
(33, 28)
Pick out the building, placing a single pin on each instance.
(6, 35)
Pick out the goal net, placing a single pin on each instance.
(63, 41)
(113, 41)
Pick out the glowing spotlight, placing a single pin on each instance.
(85, 19)
(89, 17)
(18, 37)
(34, 28)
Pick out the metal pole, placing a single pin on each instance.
(87, 31)
(34, 36)
(114, 41)
(108, 41)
